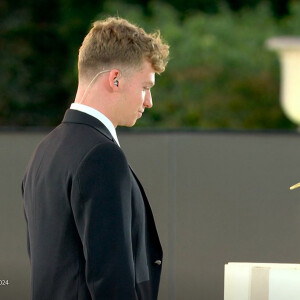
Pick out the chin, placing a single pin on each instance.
(129, 124)
(132, 124)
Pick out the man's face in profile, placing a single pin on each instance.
(136, 94)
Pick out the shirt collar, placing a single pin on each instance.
(98, 115)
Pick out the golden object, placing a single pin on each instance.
(295, 186)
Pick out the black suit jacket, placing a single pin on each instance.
(91, 233)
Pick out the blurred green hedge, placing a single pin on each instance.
(220, 74)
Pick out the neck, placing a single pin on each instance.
(93, 100)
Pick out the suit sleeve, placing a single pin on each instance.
(101, 203)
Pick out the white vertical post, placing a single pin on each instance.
(261, 281)
(288, 49)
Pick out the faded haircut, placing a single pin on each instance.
(116, 43)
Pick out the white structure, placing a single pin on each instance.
(288, 49)
(261, 281)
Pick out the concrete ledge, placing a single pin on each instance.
(284, 43)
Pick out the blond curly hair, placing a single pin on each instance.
(116, 43)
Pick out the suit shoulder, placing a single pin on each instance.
(107, 148)
(104, 155)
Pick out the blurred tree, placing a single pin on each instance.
(208, 6)
(220, 75)
(280, 8)
(33, 61)
(39, 39)
(239, 4)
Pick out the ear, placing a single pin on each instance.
(113, 79)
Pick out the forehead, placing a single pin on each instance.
(145, 74)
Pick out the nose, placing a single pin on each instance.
(148, 99)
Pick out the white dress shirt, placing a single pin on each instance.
(98, 115)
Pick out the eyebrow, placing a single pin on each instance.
(149, 83)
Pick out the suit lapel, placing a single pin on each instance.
(148, 209)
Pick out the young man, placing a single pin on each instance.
(91, 233)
